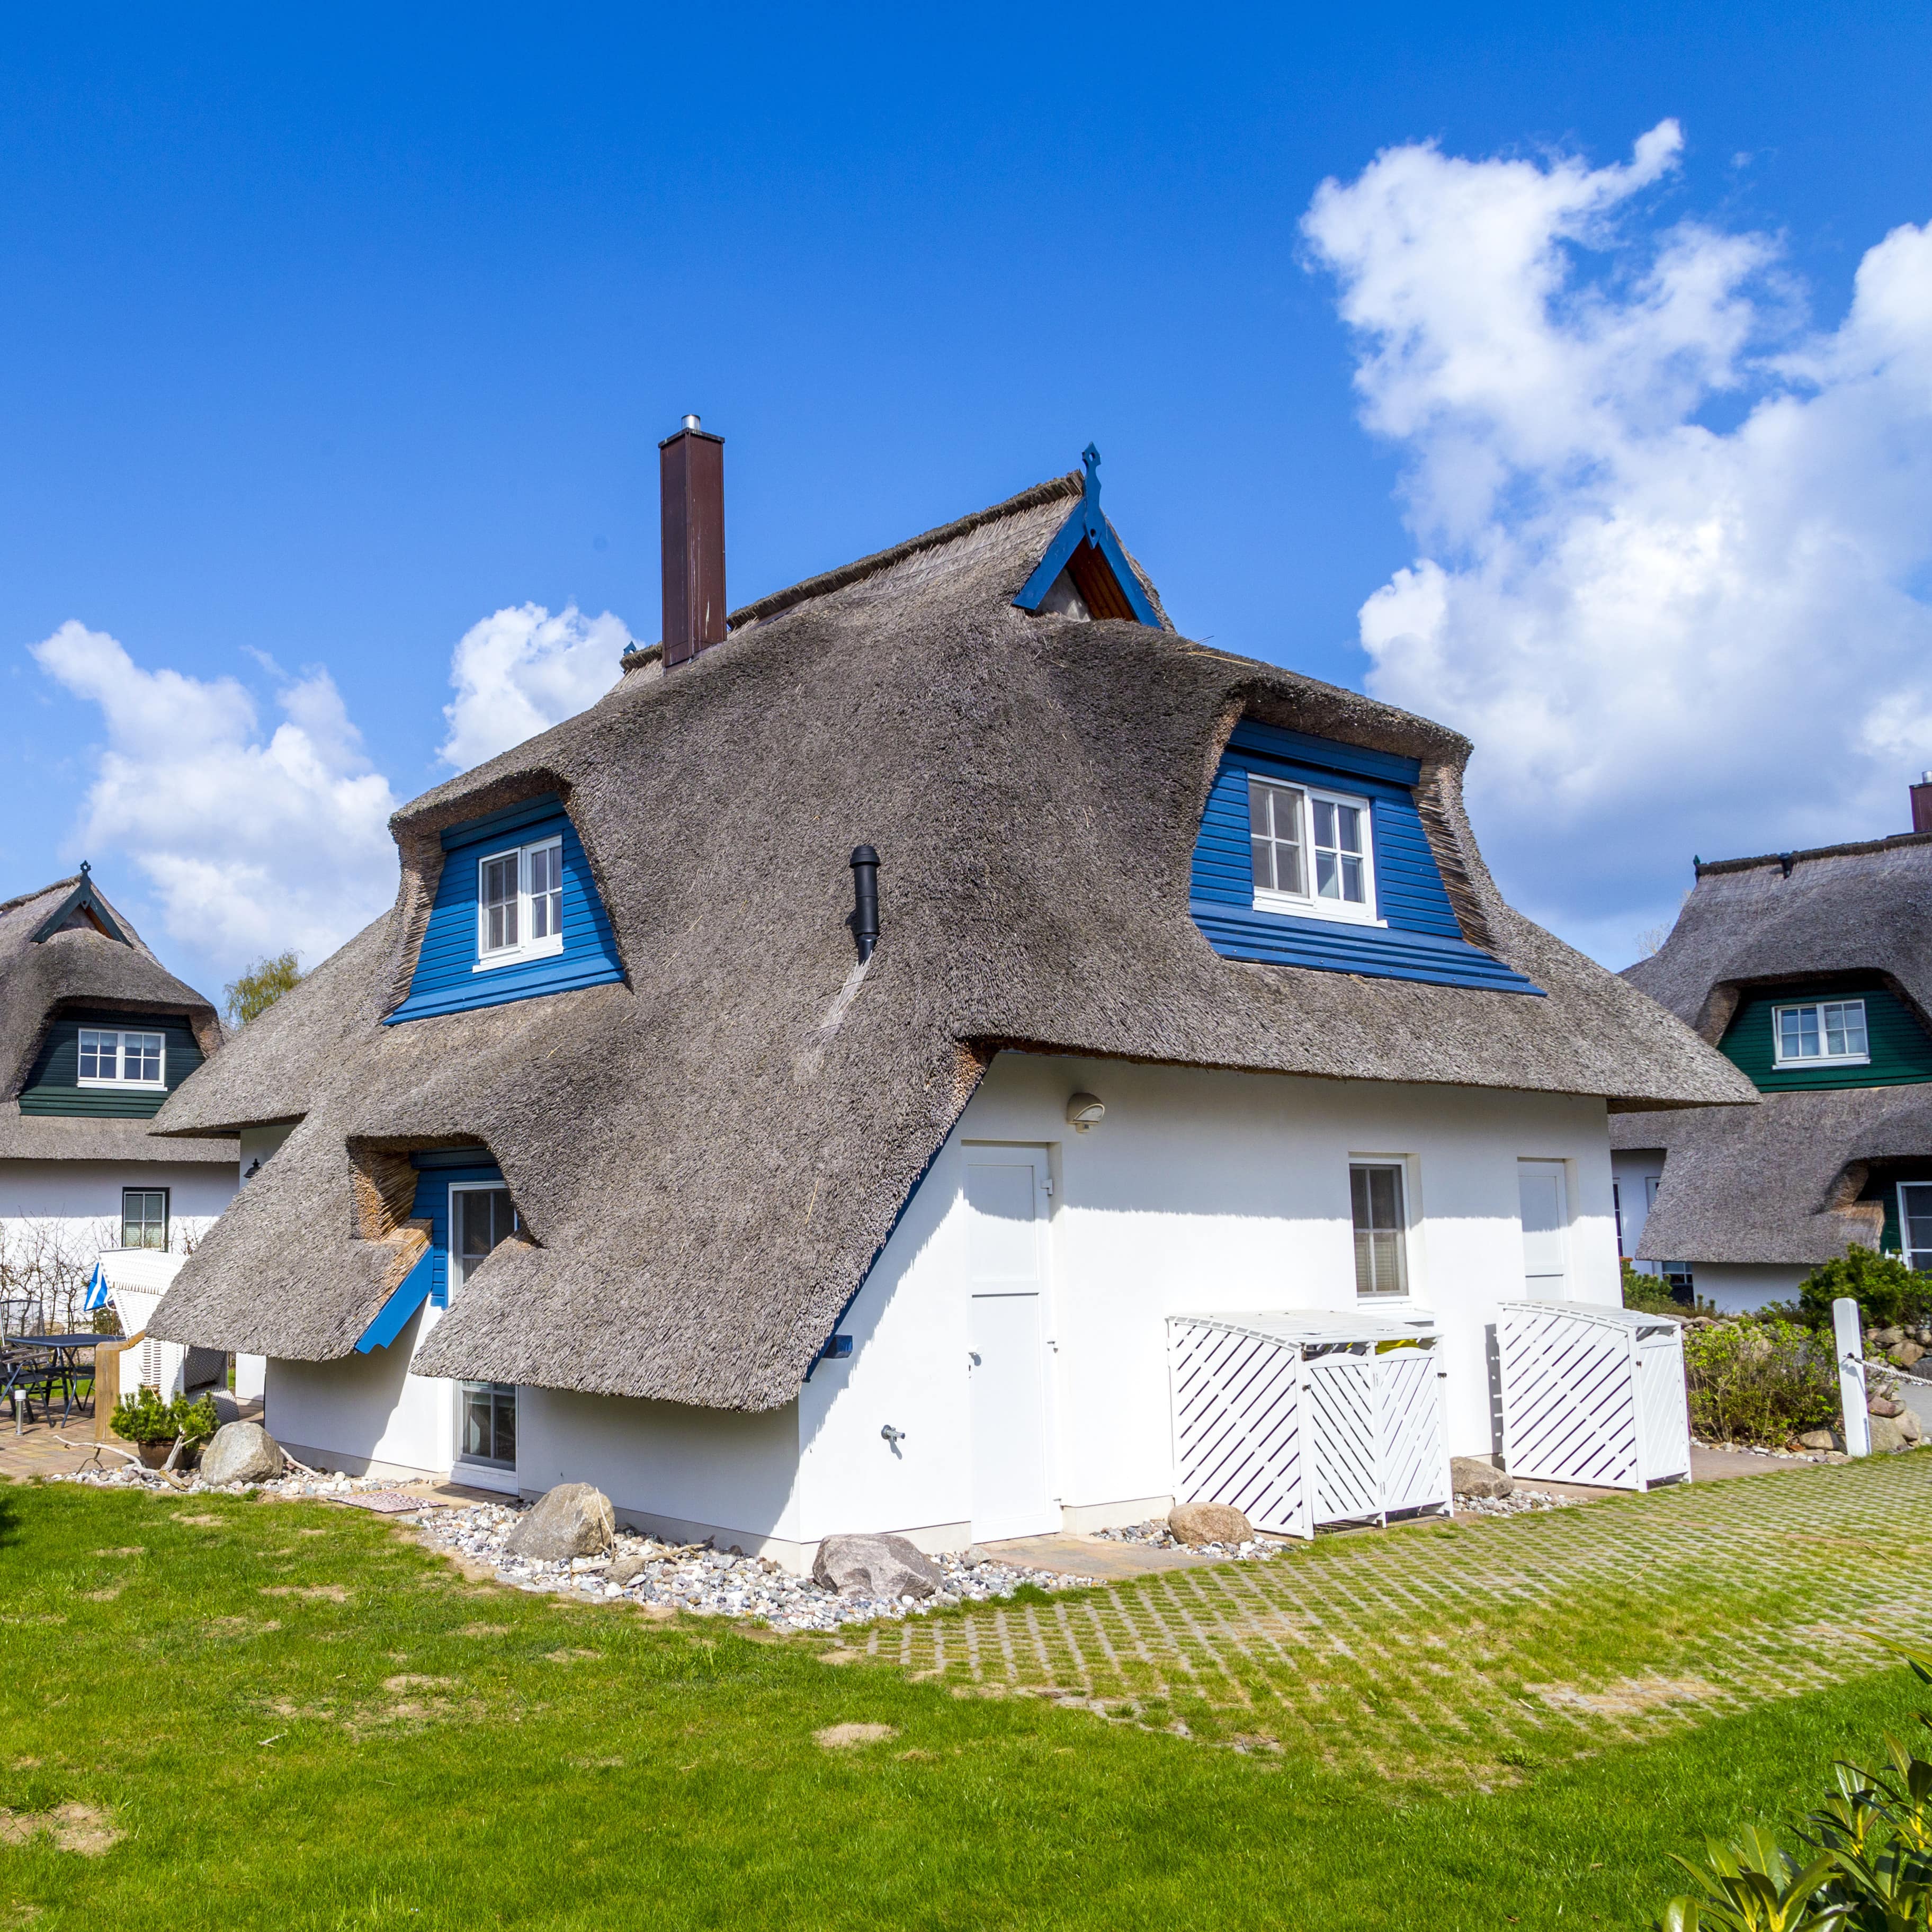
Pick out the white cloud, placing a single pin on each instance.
(522, 670)
(249, 846)
(1661, 634)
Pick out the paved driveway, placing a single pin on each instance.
(1449, 1654)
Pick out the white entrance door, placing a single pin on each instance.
(1545, 1220)
(1006, 1341)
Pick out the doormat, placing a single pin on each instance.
(392, 1502)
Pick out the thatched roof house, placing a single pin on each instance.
(708, 1149)
(1813, 972)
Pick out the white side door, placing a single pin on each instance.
(1545, 1196)
(1006, 1341)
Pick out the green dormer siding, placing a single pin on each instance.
(54, 1086)
(1900, 1048)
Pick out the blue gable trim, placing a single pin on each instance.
(1421, 940)
(445, 980)
(396, 1312)
(1087, 525)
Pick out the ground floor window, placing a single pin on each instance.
(488, 1429)
(1380, 1217)
(144, 1217)
(1915, 1222)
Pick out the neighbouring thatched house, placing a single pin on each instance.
(619, 1154)
(1812, 971)
(95, 1033)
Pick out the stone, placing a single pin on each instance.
(241, 1452)
(627, 1569)
(875, 1566)
(1820, 1439)
(1887, 1438)
(1888, 1338)
(1908, 1425)
(573, 1519)
(1883, 1405)
(1197, 1523)
(1471, 1476)
(1906, 1353)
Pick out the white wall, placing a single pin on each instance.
(1199, 1191)
(78, 1197)
(364, 1413)
(1735, 1288)
(1633, 1169)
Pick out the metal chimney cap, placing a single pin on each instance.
(692, 422)
(1924, 777)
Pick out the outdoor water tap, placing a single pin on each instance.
(894, 1437)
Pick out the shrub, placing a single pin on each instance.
(144, 1417)
(1652, 1294)
(1758, 1382)
(1867, 1864)
(1887, 1291)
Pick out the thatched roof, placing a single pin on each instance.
(709, 1157)
(75, 965)
(1779, 1182)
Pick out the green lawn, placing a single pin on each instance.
(299, 1719)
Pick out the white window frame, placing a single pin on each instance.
(1311, 904)
(1778, 1056)
(1905, 1249)
(452, 1254)
(120, 1035)
(548, 947)
(1384, 1298)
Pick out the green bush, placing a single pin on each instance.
(1652, 1294)
(1759, 1381)
(144, 1417)
(1889, 1293)
(1867, 1859)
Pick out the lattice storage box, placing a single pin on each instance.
(1592, 1394)
(1302, 1418)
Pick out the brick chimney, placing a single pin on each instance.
(691, 476)
(1921, 803)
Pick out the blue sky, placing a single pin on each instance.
(323, 340)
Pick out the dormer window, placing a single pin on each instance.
(114, 1059)
(519, 903)
(1311, 851)
(1824, 1033)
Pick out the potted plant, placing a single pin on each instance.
(153, 1425)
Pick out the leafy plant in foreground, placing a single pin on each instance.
(1872, 1870)
(1758, 1382)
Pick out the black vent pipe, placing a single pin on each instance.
(866, 899)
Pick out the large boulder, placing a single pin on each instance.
(573, 1519)
(241, 1452)
(1197, 1523)
(1472, 1476)
(1821, 1439)
(875, 1566)
(1887, 1438)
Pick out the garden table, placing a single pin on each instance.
(53, 1357)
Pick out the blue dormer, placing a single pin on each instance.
(1312, 853)
(516, 915)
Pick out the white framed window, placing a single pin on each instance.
(111, 1058)
(144, 1217)
(1821, 1033)
(1914, 1222)
(1378, 1206)
(519, 903)
(1312, 851)
(481, 1215)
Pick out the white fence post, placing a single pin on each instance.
(1848, 1334)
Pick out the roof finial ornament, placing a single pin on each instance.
(85, 868)
(1090, 456)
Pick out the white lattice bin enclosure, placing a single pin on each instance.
(1300, 1419)
(1592, 1394)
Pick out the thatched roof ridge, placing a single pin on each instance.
(1842, 911)
(708, 1157)
(79, 967)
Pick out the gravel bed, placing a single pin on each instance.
(1157, 1535)
(640, 1569)
(1518, 1502)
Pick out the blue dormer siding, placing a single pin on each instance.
(447, 979)
(1419, 938)
(429, 1280)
